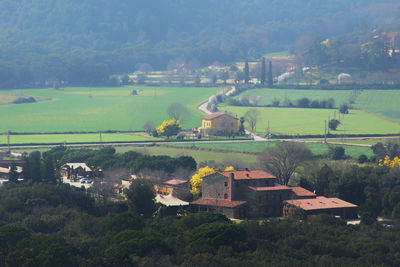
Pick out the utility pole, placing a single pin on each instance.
(325, 133)
(8, 141)
(268, 131)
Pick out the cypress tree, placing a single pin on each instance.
(263, 71)
(270, 78)
(246, 72)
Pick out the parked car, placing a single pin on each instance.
(86, 180)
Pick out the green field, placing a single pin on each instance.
(257, 147)
(307, 121)
(75, 138)
(100, 109)
(198, 155)
(384, 103)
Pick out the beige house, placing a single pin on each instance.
(219, 124)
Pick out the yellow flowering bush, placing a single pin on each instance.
(169, 128)
(229, 169)
(197, 179)
(390, 163)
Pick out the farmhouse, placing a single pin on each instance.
(73, 170)
(253, 194)
(219, 124)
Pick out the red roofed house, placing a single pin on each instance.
(256, 194)
(243, 194)
(300, 208)
(219, 124)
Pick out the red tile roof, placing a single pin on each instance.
(218, 203)
(175, 182)
(301, 192)
(270, 188)
(4, 170)
(320, 203)
(216, 115)
(247, 175)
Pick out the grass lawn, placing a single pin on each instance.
(307, 121)
(384, 103)
(100, 109)
(75, 138)
(198, 155)
(257, 147)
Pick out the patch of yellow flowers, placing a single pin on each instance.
(197, 179)
(390, 163)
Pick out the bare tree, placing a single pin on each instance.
(177, 111)
(148, 126)
(251, 116)
(283, 160)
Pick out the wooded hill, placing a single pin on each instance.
(82, 42)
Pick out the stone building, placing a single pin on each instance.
(252, 194)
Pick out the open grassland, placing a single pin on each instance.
(307, 121)
(258, 147)
(384, 103)
(198, 155)
(75, 138)
(100, 109)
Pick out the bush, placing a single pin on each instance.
(336, 153)
(362, 159)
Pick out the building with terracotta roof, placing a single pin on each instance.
(219, 124)
(256, 194)
(303, 208)
(243, 194)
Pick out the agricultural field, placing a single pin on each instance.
(198, 155)
(307, 121)
(100, 109)
(258, 147)
(384, 103)
(75, 138)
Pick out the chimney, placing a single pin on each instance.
(230, 185)
(247, 169)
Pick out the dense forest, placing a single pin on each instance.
(47, 223)
(83, 42)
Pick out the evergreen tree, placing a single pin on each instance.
(13, 175)
(263, 71)
(270, 78)
(246, 72)
(48, 170)
(32, 167)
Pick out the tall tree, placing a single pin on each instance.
(32, 167)
(270, 78)
(263, 71)
(48, 169)
(141, 197)
(177, 111)
(251, 116)
(13, 175)
(283, 159)
(246, 72)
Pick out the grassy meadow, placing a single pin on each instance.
(384, 103)
(198, 155)
(100, 109)
(258, 147)
(307, 121)
(75, 138)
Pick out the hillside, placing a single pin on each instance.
(84, 41)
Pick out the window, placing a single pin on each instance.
(226, 183)
(225, 196)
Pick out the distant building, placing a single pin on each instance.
(219, 124)
(253, 194)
